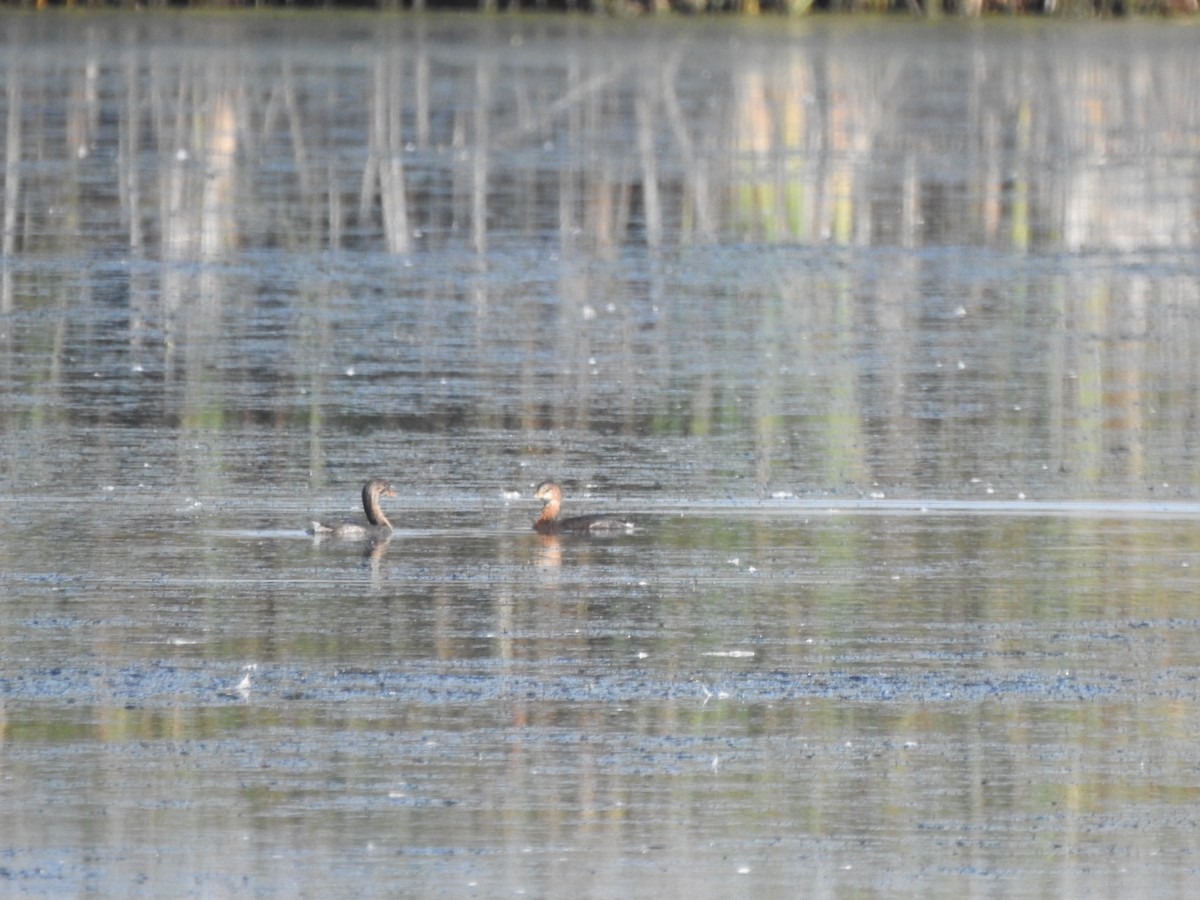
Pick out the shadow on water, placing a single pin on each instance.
(882, 335)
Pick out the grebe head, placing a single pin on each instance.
(548, 492)
(377, 487)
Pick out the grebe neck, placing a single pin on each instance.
(373, 510)
(549, 513)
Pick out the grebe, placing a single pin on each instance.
(549, 523)
(377, 523)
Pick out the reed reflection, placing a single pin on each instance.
(645, 255)
(812, 124)
(809, 135)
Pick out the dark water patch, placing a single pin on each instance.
(163, 684)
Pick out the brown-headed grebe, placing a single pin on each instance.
(549, 523)
(377, 523)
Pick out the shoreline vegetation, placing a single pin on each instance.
(925, 8)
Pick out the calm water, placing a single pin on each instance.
(887, 335)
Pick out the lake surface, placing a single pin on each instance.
(885, 333)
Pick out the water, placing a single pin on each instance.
(885, 334)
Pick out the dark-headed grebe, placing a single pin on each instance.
(549, 523)
(377, 523)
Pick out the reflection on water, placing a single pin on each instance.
(842, 248)
(884, 335)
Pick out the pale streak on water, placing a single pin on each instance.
(885, 333)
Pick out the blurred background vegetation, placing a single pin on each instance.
(930, 8)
